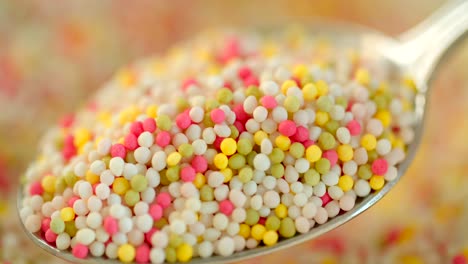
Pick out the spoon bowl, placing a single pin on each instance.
(411, 55)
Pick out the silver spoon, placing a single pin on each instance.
(417, 52)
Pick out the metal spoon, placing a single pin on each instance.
(417, 53)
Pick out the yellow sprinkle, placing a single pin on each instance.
(92, 178)
(322, 87)
(126, 253)
(283, 142)
(120, 186)
(259, 136)
(321, 118)
(67, 214)
(105, 118)
(385, 117)
(82, 136)
(269, 49)
(300, 71)
(270, 238)
(310, 92)
(126, 78)
(313, 153)
(346, 183)
(408, 259)
(376, 182)
(369, 142)
(184, 252)
(345, 152)
(244, 231)
(48, 183)
(200, 180)
(173, 159)
(220, 161)
(258, 231)
(227, 172)
(281, 211)
(286, 85)
(152, 111)
(362, 76)
(228, 146)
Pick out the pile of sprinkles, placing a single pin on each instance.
(230, 142)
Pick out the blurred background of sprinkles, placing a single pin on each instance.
(53, 55)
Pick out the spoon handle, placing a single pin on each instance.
(424, 46)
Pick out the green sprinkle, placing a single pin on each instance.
(276, 155)
(47, 197)
(207, 120)
(171, 255)
(182, 104)
(326, 141)
(245, 174)
(234, 132)
(244, 146)
(211, 104)
(139, 183)
(332, 126)
(163, 122)
(342, 101)
(297, 150)
(161, 223)
(322, 166)
(364, 172)
(252, 217)
(106, 160)
(132, 197)
(57, 225)
(206, 193)
(292, 103)
(70, 228)
(186, 150)
(164, 180)
(324, 103)
(273, 223)
(173, 173)
(253, 90)
(380, 102)
(237, 161)
(287, 228)
(372, 155)
(60, 185)
(251, 157)
(224, 96)
(175, 240)
(307, 79)
(70, 179)
(312, 177)
(277, 170)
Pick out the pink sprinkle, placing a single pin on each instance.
(459, 259)
(287, 128)
(67, 121)
(186, 84)
(80, 251)
(199, 163)
(68, 152)
(354, 127)
(379, 167)
(244, 72)
(230, 50)
(228, 85)
(136, 128)
(72, 200)
(308, 143)
(131, 142)
(325, 199)
(183, 120)
(149, 124)
(217, 115)
(149, 234)
(298, 82)
(269, 102)
(50, 236)
(251, 81)
(110, 225)
(94, 187)
(217, 142)
(36, 189)
(301, 135)
(226, 207)
(118, 150)
(262, 220)
(45, 224)
(163, 199)
(187, 174)
(142, 254)
(240, 127)
(163, 138)
(156, 211)
(241, 115)
(332, 156)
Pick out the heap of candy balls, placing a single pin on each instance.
(229, 142)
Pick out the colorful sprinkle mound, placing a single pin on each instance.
(228, 143)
